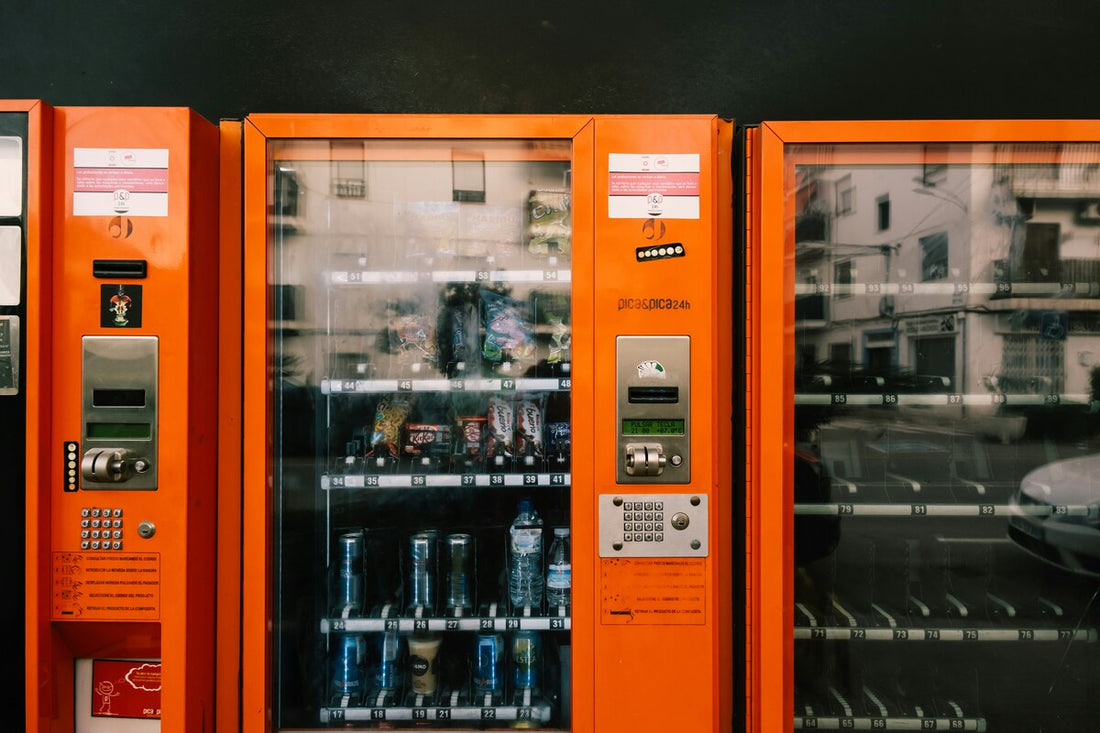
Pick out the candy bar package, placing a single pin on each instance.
(549, 223)
(509, 337)
(500, 443)
(416, 342)
(389, 417)
(530, 416)
(426, 441)
(552, 319)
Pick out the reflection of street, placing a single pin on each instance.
(929, 460)
(920, 605)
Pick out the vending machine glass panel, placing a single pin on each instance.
(941, 364)
(420, 340)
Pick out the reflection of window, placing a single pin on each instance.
(933, 174)
(1032, 364)
(286, 192)
(1039, 262)
(882, 207)
(934, 355)
(840, 354)
(349, 179)
(842, 278)
(845, 195)
(468, 176)
(933, 256)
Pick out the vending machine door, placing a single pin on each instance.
(927, 307)
(421, 500)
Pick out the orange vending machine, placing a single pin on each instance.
(121, 370)
(24, 140)
(486, 478)
(925, 500)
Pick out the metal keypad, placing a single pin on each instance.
(652, 525)
(101, 528)
(643, 521)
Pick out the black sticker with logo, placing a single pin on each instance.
(120, 306)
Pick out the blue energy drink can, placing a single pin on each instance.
(489, 663)
(347, 678)
(387, 671)
(349, 574)
(526, 659)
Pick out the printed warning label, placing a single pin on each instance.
(106, 586)
(666, 590)
(644, 186)
(114, 181)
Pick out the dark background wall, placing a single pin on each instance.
(751, 60)
(748, 59)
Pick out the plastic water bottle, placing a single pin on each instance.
(559, 571)
(525, 576)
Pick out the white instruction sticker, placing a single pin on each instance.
(120, 181)
(645, 186)
(11, 176)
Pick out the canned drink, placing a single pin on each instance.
(459, 564)
(349, 574)
(422, 565)
(347, 678)
(488, 661)
(526, 659)
(387, 673)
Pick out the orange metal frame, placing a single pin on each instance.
(692, 663)
(39, 691)
(180, 307)
(770, 361)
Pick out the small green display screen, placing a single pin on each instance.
(653, 426)
(119, 430)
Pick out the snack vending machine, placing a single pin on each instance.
(121, 233)
(486, 445)
(23, 137)
(925, 501)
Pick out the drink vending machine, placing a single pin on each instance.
(117, 237)
(924, 331)
(486, 423)
(23, 135)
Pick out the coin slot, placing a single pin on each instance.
(653, 395)
(118, 398)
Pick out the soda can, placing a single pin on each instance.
(349, 574)
(459, 563)
(387, 672)
(422, 564)
(347, 678)
(526, 659)
(488, 663)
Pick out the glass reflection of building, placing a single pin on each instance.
(972, 278)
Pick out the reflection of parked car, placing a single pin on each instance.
(1056, 514)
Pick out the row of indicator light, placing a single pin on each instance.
(71, 449)
(662, 252)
